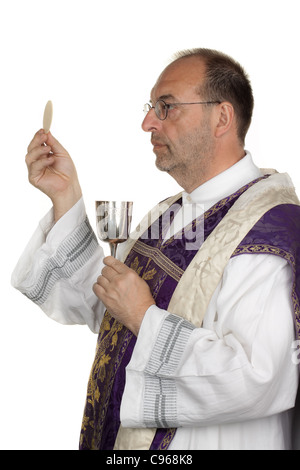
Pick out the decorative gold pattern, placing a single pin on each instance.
(167, 439)
(160, 259)
(110, 337)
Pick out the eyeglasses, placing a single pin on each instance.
(161, 108)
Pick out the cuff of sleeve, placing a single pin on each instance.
(43, 245)
(57, 232)
(151, 396)
(133, 398)
(148, 333)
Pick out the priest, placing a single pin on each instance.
(198, 319)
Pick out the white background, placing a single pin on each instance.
(97, 61)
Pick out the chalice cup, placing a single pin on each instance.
(113, 221)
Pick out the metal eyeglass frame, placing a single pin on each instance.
(167, 106)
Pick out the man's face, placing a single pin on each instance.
(183, 143)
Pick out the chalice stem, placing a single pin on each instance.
(113, 249)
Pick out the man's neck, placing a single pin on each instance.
(216, 166)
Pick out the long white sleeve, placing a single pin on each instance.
(59, 267)
(238, 367)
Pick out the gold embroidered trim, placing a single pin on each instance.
(102, 369)
(167, 439)
(159, 258)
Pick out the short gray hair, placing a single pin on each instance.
(226, 80)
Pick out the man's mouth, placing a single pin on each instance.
(157, 144)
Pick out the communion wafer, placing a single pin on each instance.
(47, 119)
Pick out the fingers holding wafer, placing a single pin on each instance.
(39, 138)
(38, 148)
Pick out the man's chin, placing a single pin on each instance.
(162, 164)
(162, 167)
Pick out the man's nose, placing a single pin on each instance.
(151, 121)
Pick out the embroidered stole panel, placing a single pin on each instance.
(161, 264)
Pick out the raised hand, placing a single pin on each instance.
(51, 169)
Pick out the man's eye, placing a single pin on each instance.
(171, 106)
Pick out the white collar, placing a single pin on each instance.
(224, 184)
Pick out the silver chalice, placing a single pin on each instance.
(113, 221)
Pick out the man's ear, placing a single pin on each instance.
(225, 118)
